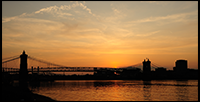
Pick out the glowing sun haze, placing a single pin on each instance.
(102, 33)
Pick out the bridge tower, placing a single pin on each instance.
(146, 66)
(23, 72)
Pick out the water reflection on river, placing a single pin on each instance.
(119, 90)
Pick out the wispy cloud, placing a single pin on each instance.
(61, 11)
(157, 2)
(146, 34)
(48, 9)
(173, 18)
(115, 10)
(7, 19)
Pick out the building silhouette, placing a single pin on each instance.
(181, 66)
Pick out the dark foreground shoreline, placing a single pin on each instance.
(11, 93)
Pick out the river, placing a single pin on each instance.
(119, 90)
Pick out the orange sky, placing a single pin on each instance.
(102, 34)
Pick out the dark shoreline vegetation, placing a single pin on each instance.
(14, 93)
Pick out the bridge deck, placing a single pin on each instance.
(55, 71)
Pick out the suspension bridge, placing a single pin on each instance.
(35, 65)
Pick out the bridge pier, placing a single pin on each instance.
(146, 66)
(146, 69)
(32, 69)
(23, 72)
(38, 69)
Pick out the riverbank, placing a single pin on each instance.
(11, 93)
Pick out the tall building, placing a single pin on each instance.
(181, 66)
(146, 66)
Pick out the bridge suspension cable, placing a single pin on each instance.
(10, 60)
(137, 64)
(10, 57)
(156, 65)
(153, 65)
(45, 61)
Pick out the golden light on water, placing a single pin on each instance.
(120, 90)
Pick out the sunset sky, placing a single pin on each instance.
(102, 33)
